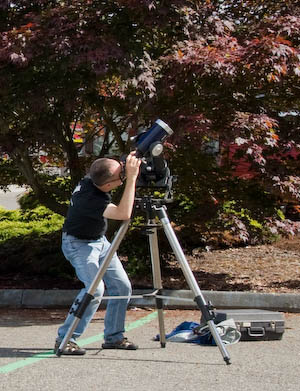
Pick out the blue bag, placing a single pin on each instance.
(193, 332)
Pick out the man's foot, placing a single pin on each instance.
(72, 349)
(123, 344)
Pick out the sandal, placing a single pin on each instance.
(72, 349)
(123, 344)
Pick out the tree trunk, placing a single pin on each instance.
(24, 163)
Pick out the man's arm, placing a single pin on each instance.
(123, 210)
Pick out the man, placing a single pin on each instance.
(85, 246)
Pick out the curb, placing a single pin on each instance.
(175, 299)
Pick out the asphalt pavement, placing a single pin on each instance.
(9, 199)
(27, 361)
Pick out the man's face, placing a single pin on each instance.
(118, 174)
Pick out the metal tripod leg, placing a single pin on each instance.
(78, 313)
(190, 278)
(157, 283)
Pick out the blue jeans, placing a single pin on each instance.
(86, 257)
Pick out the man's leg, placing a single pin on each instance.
(84, 257)
(117, 284)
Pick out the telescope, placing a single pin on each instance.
(154, 171)
(150, 141)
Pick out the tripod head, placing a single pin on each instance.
(148, 204)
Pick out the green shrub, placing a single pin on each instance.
(36, 222)
(30, 243)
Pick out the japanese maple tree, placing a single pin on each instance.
(224, 72)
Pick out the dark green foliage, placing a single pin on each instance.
(58, 188)
(135, 248)
(9, 173)
(28, 201)
(30, 243)
(35, 255)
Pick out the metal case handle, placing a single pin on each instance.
(256, 331)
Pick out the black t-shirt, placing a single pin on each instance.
(85, 214)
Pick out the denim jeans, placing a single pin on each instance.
(86, 257)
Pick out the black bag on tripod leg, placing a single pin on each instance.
(254, 324)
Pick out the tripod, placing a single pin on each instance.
(153, 210)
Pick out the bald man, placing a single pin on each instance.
(85, 246)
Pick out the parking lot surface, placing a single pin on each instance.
(28, 363)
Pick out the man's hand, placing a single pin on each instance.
(132, 166)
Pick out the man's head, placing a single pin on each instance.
(107, 174)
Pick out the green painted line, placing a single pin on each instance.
(27, 361)
(87, 341)
(142, 321)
